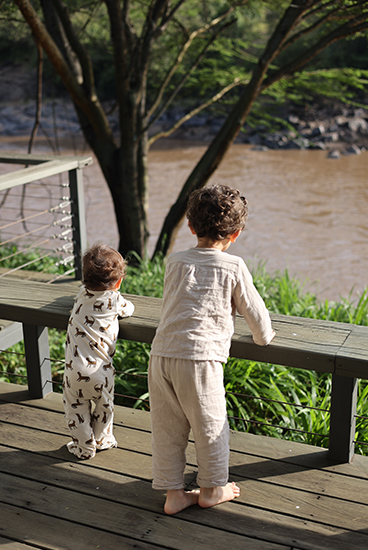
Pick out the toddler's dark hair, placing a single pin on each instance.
(216, 211)
(103, 266)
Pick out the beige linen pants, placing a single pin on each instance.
(184, 395)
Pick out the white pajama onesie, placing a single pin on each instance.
(89, 373)
(203, 289)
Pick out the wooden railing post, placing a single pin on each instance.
(342, 418)
(79, 219)
(36, 345)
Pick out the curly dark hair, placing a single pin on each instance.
(103, 266)
(216, 211)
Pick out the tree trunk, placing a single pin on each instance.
(207, 166)
(124, 169)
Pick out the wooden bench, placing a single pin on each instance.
(324, 346)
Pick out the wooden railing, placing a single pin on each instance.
(324, 346)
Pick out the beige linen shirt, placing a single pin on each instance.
(204, 287)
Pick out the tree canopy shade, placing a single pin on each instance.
(157, 49)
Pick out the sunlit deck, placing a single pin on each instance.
(292, 496)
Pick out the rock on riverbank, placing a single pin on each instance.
(336, 129)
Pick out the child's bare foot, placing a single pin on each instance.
(178, 499)
(210, 496)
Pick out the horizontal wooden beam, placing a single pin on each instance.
(38, 167)
(30, 159)
(312, 344)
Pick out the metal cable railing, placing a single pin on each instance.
(143, 399)
(42, 211)
(36, 231)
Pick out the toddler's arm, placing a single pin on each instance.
(126, 307)
(249, 303)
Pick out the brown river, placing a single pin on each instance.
(307, 213)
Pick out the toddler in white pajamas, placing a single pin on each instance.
(203, 289)
(88, 386)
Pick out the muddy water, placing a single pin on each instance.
(307, 213)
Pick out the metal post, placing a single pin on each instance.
(79, 219)
(342, 418)
(36, 344)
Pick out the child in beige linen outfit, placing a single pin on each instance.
(90, 346)
(204, 287)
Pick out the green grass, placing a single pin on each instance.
(261, 398)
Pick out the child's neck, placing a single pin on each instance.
(205, 242)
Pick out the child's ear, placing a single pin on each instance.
(191, 229)
(234, 236)
(118, 284)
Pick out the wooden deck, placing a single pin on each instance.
(292, 497)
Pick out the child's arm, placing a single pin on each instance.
(249, 303)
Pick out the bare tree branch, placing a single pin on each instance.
(187, 75)
(129, 31)
(195, 111)
(311, 53)
(120, 46)
(92, 117)
(328, 16)
(157, 10)
(38, 97)
(309, 29)
(83, 57)
(323, 6)
(191, 37)
(169, 16)
(52, 50)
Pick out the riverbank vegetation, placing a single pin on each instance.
(261, 398)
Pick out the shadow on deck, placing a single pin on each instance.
(292, 496)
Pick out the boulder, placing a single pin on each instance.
(334, 154)
(353, 150)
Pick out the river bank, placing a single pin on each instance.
(334, 128)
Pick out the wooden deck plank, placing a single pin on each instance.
(275, 472)
(53, 533)
(14, 545)
(123, 489)
(259, 446)
(114, 487)
(330, 515)
(264, 494)
(13, 393)
(120, 519)
(274, 495)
